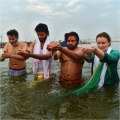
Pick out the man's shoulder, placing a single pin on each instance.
(78, 48)
(33, 43)
(23, 43)
(7, 45)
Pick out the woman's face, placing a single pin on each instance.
(103, 44)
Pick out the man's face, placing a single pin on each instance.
(13, 40)
(42, 36)
(71, 42)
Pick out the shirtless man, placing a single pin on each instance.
(71, 59)
(17, 63)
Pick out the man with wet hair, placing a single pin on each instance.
(17, 63)
(71, 59)
(43, 65)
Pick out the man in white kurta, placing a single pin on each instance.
(42, 62)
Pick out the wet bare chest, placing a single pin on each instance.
(13, 50)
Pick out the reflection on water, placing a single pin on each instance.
(21, 101)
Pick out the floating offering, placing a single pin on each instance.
(38, 78)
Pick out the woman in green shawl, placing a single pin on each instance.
(103, 53)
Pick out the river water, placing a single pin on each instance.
(20, 100)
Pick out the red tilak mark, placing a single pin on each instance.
(70, 38)
(10, 36)
(38, 32)
(101, 37)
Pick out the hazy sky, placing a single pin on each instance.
(86, 17)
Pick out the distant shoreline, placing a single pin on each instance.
(28, 43)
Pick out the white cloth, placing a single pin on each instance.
(96, 62)
(36, 62)
(40, 70)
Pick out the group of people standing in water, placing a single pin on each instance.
(44, 52)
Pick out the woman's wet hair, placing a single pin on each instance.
(13, 32)
(105, 35)
(42, 28)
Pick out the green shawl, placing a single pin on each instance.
(90, 86)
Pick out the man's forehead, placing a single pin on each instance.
(11, 36)
(72, 38)
(41, 33)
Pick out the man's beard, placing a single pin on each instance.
(14, 43)
(42, 40)
(71, 47)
